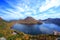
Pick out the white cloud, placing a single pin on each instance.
(51, 11)
(19, 9)
(45, 16)
(40, 16)
(54, 15)
(13, 16)
(49, 4)
(28, 13)
(22, 10)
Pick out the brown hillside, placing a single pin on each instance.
(29, 20)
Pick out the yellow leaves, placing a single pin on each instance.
(18, 38)
(26, 37)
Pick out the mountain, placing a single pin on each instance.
(1, 19)
(29, 20)
(53, 20)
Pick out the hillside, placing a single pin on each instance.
(29, 20)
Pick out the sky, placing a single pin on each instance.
(38, 9)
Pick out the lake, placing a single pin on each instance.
(45, 28)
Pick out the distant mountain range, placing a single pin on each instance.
(53, 20)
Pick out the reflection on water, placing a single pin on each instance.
(37, 29)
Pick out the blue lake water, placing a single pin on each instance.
(45, 28)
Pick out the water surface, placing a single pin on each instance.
(45, 28)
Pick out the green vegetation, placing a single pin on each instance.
(2, 24)
(11, 37)
(1, 35)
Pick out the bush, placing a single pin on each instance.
(1, 35)
(11, 38)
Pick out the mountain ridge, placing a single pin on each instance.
(53, 20)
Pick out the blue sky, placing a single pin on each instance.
(38, 9)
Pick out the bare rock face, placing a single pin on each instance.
(29, 20)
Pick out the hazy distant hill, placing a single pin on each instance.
(53, 20)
